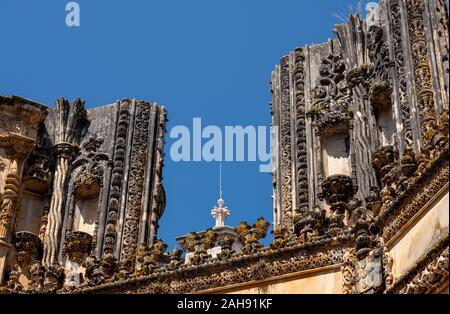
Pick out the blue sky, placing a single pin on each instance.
(200, 58)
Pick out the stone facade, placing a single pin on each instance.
(79, 188)
(360, 181)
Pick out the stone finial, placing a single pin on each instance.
(220, 213)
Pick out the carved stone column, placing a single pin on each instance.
(19, 121)
(118, 174)
(10, 196)
(285, 142)
(70, 129)
(158, 194)
(64, 153)
(422, 70)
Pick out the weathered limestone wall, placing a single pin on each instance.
(419, 235)
(318, 281)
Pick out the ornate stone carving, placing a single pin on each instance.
(175, 259)
(420, 191)
(431, 278)
(92, 145)
(37, 273)
(281, 238)
(135, 184)
(99, 271)
(421, 67)
(68, 135)
(28, 246)
(337, 190)
(363, 239)
(388, 262)
(226, 248)
(285, 142)
(368, 272)
(53, 278)
(90, 168)
(9, 198)
(13, 282)
(237, 269)
(250, 236)
(382, 160)
(43, 226)
(300, 161)
(108, 266)
(400, 72)
(309, 224)
(199, 245)
(115, 189)
(88, 181)
(373, 201)
(158, 192)
(149, 258)
(330, 107)
(380, 87)
(408, 166)
(37, 175)
(347, 269)
(77, 244)
(94, 275)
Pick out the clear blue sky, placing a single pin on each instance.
(200, 58)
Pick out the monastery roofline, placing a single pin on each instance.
(217, 229)
(20, 99)
(15, 98)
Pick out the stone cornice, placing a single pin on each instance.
(238, 269)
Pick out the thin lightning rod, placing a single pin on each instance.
(220, 181)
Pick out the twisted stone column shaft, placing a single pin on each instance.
(55, 213)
